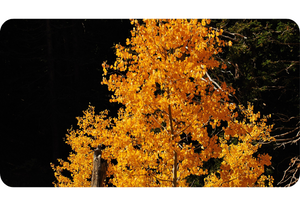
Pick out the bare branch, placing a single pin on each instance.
(293, 62)
(286, 133)
(216, 84)
(279, 115)
(290, 174)
(229, 33)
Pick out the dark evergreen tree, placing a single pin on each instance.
(263, 65)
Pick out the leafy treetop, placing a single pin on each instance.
(175, 119)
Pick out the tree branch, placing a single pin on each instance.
(290, 174)
(174, 182)
(229, 33)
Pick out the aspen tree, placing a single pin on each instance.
(171, 104)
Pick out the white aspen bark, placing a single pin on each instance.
(174, 179)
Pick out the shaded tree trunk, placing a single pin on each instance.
(99, 169)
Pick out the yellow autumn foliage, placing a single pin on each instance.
(163, 135)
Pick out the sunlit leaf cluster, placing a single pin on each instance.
(175, 117)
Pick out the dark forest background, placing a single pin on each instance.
(51, 72)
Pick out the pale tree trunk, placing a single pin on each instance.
(99, 169)
(175, 157)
